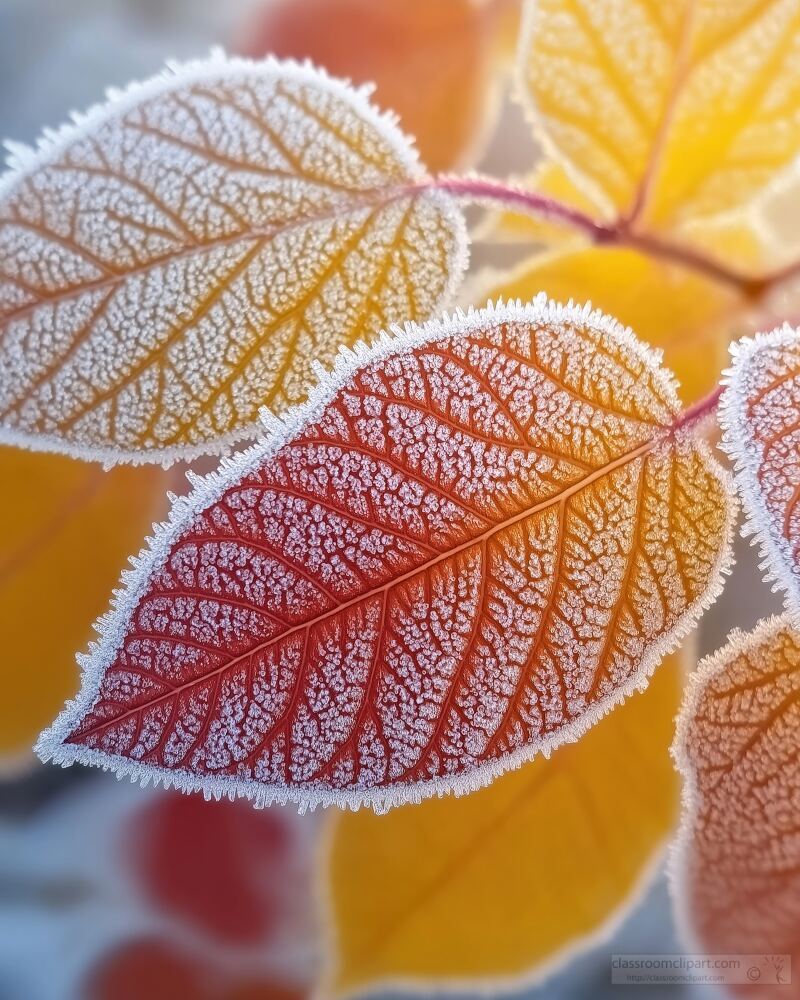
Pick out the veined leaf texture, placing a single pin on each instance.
(472, 542)
(172, 261)
(737, 860)
(760, 415)
(666, 111)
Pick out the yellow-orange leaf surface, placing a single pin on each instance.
(69, 529)
(179, 258)
(473, 541)
(760, 414)
(431, 61)
(502, 885)
(683, 314)
(737, 866)
(668, 111)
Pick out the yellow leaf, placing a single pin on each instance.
(682, 313)
(68, 531)
(670, 111)
(736, 866)
(179, 258)
(509, 881)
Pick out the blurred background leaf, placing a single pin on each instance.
(432, 62)
(69, 529)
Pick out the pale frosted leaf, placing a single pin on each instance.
(173, 261)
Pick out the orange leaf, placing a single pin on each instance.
(471, 543)
(175, 260)
(737, 864)
(500, 888)
(683, 314)
(69, 529)
(431, 62)
(759, 415)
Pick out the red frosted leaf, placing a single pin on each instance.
(235, 899)
(759, 413)
(468, 545)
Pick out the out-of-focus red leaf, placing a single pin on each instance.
(152, 969)
(216, 865)
(431, 59)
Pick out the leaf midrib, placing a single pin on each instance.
(307, 625)
(375, 198)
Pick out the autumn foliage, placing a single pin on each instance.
(448, 545)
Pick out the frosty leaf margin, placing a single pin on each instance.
(112, 626)
(746, 455)
(738, 642)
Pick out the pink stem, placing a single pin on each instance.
(485, 189)
(699, 411)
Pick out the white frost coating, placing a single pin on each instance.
(217, 181)
(742, 381)
(737, 644)
(113, 626)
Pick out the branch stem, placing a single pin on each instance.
(486, 190)
(699, 411)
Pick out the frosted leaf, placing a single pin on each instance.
(665, 111)
(472, 542)
(737, 861)
(760, 415)
(172, 261)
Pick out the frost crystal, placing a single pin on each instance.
(759, 414)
